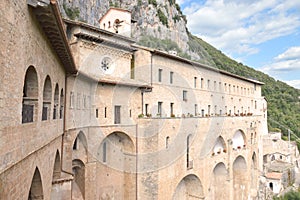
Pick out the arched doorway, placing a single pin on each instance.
(220, 186)
(79, 158)
(78, 183)
(116, 156)
(240, 180)
(190, 187)
(36, 188)
(56, 190)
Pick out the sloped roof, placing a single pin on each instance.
(48, 15)
(274, 175)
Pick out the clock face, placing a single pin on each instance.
(106, 64)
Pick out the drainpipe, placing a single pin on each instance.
(136, 161)
(64, 128)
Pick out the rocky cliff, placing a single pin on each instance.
(159, 23)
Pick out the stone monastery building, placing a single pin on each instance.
(88, 114)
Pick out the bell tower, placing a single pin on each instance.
(117, 20)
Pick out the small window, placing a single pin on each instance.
(167, 142)
(255, 86)
(97, 113)
(184, 95)
(105, 112)
(215, 85)
(196, 109)
(208, 84)
(159, 75)
(146, 109)
(171, 77)
(103, 25)
(130, 113)
(201, 83)
(172, 109)
(195, 82)
(159, 109)
(208, 109)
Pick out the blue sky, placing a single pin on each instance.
(263, 34)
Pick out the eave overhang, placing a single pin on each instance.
(48, 15)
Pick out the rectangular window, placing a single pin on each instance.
(171, 109)
(171, 77)
(27, 113)
(45, 113)
(97, 113)
(208, 109)
(255, 86)
(196, 109)
(117, 114)
(146, 109)
(201, 83)
(184, 95)
(195, 82)
(159, 75)
(159, 109)
(130, 113)
(105, 112)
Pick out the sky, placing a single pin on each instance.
(263, 34)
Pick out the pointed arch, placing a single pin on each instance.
(239, 140)
(80, 147)
(36, 188)
(56, 186)
(56, 167)
(116, 154)
(47, 97)
(189, 187)
(30, 96)
(220, 146)
(220, 186)
(78, 183)
(240, 180)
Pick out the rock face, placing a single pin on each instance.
(161, 19)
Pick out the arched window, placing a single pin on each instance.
(238, 140)
(56, 100)
(30, 96)
(62, 101)
(47, 97)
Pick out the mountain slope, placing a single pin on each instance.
(161, 24)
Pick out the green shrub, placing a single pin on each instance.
(162, 17)
(71, 13)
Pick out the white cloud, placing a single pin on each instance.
(294, 83)
(286, 64)
(237, 26)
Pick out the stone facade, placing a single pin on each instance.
(87, 114)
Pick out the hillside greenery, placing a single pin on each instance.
(291, 195)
